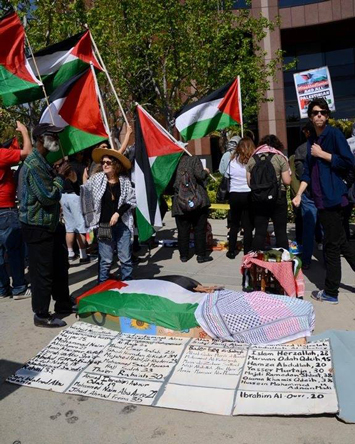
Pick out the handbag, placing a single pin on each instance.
(104, 231)
(224, 188)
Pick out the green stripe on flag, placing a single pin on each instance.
(9, 82)
(162, 170)
(143, 307)
(203, 127)
(72, 141)
(145, 229)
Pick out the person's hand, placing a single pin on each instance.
(114, 219)
(64, 169)
(296, 201)
(316, 150)
(72, 176)
(21, 127)
(129, 129)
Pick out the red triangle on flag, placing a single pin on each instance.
(81, 108)
(156, 142)
(12, 47)
(83, 50)
(230, 102)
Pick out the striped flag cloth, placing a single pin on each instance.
(15, 72)
(74, 106)
(218, 110)
(56, 64)
(157, 155)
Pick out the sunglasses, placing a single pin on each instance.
(106, 162)
(323, 112)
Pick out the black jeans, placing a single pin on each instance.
(335, 244)
(240, 208)
(198, 220)
(278, 214)
(48, 266)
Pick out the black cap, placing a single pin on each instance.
(45, 128)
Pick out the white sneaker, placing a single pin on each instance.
(27, 294)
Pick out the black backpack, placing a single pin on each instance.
(188, 196)
(263, 181)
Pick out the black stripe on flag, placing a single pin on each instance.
(142, 161)
(65, 45)
(218, 94)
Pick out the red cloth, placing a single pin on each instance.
(8, 158)
(282, 271)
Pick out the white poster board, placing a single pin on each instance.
(217, 377)
(311, 84)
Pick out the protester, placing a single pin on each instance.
(11, 241)
(269, 199)
(311, 225)
(327, 162)
(230, 150)
(108, 199)
(190, 206)
(239, 197)
(39, 195)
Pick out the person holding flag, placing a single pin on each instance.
(11, 241)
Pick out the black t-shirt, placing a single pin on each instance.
(109, 202)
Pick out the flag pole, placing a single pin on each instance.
(240, 107)
(98, 92)
(107, 75)
(172, 138)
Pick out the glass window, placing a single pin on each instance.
(290, 3)
(339, 57)
(309, 61)
(241, 4)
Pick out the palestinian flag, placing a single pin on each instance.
(157, 155)
(15, 72)
(74, 106)
(153, 301)
(57, 64)
(218, 110)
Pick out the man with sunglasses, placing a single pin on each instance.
(328, 160)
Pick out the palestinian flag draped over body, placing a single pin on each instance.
(74, 106)
(218, 110)
(157, 155)
(57, 64)
(15, 72)
(153, 301)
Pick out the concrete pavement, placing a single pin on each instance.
(31, 416)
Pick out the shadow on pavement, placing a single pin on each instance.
(8, 368)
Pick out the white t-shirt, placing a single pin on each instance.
(238, 175)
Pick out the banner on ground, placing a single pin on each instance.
(74, 107)
(220, 109)
(157, 156)
(15, 71)
(311, 84)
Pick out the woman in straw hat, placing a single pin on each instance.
(108, 199)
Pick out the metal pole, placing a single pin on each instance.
(240, 107)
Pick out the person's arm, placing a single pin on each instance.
(200, 172)
(316, 151)
(126, 139)
(286, 178)
(248, 178)
(297, 199)
(342, 158)
(27, 145)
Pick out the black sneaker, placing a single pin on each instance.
(48, 322)
(230, 254)
(184, 258)
(202, 259)
(85, 260)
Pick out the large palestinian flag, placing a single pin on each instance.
(218, 110)
(74, 106)
(57, 64)
(157, 155)
(153, 301)
(15, 72)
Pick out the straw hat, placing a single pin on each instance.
(99, 153)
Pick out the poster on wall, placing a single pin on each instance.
(311, 84)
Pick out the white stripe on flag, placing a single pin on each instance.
(141, 192)
(164, 289)
(50, 63)
(55, 108)
(204, 111)
(32, 74)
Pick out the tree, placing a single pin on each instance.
(164, 53)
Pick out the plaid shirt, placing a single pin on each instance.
(39, 193)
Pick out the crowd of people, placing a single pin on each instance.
(100, 195)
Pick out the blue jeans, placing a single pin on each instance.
(121, 239)
(310, 228)
(11, 242)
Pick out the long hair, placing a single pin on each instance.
(118, 168)
(273, 141)
(244, 150)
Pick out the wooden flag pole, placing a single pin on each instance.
(108, 76)
(98, 92)
(172, 138)
(240, 107)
